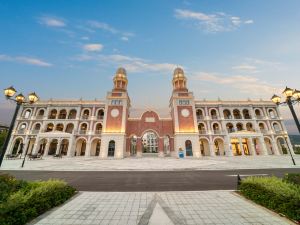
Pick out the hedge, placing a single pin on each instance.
(292, 178)
(33, 199)
(273, 193)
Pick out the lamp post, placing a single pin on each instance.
(292, 96)
(19, 100)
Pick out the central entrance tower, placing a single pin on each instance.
(183, 113)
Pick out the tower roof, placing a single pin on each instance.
(121, 72)
(178, 72)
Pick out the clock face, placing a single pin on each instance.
(114, 112)
(185, 112)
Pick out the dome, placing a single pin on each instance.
(121, 72)
(178, 72)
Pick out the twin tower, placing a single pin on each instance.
(179, 131)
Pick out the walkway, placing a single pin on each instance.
(153, 164)
(161, 208)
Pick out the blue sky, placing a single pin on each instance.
(71, 49)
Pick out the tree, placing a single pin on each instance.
(3, 135)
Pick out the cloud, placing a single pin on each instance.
(131, 64)
(25, 60)
(52, 21)
(93, 47)
(211, 23)
(245, 68)
(106, 27)
(245, 84)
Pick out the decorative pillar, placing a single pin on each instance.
(88, 149)
(212, 149)
(241, 145)
(70, 148)
(139, 147)
(274, 146)
(263, 147)
(251, 146)
(227, 146)
(46, 150)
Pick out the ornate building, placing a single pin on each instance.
(108, 129)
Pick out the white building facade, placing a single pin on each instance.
(108, 128)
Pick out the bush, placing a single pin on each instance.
(8, 185)
(274, 194)
(292, 178)
(32, 200)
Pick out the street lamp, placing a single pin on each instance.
(19, 100)
(292, 96)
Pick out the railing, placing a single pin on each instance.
(259, 117)
(100, 117)
(279, 131)
(62, 117)
(200, 117)
(230, 130)
(217, 131)
(39, 117)
(85, 117)
(98, 131)
(202, 131)
(228, 117)
(21, 131)
(215, 117)
(237, 117)
(247, 117)
(273, 117)
(35, 131)
(82, 131)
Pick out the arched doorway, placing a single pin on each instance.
(269, 146)
(166, 145)
(133, 142)
(80, 147)
(42, 146)
(188, 148)
(204, 146)
(18, 147)
(95, 147)
(219, 147)
(52, 147)
(282, 146)
(235, 146)
(150, 142)
(111, 148)
(64, 147)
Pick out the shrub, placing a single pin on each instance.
(33, 200)
(274, 194)
(292, 178)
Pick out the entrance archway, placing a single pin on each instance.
(204, 147)
(42, 146)
(269, 146)
(111, 148)
(282, 146)
(166, 145)
(150, 142)
(95, 147)
(133, 142)
(18, 146)
(219, 147)
(53, 147)
(64, 147)
(235, 145)
(80, 147)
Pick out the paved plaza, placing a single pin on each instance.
(153, 164)
(159, 208)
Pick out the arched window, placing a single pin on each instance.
(72, 114)
(36, 128)
(85, 114)
(62, 114)
(246, 114)
(237, 114)
(277, 127)
(98, 128)
(214, 114)
(69, 128)
(227, 114)
(59, 127)
(249, 127)
(27, 114)
(272, 113)
(49, 127)
(22, 128)
(216, 128)
(150, 142)
(199, 114)
(53, 147)
(100, 114)
(258, 114)
(262, 127)
(133, 142)
(239, 127)
(229, 127)
(40, 114)
(83, 128)
(111, 148)
(201, 128)
(53, 114)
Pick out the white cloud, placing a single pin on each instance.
(131, 64)
(211, 23)
(93, 47)
(106, 27)
(25, 60)
(52, 21)
(245, 84)
(245, 68)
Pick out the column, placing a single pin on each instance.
(241, 145)
(139, 147)
(26, 145)
(251, 146)
(70, 147)
(35, 148)
(47, 148)
(263, 147)
(227, 146)
(274, 146)
(58, 146)
(212, 149)
(88, 148)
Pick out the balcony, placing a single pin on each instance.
(39, 117)
(100, 117)
(21, 131)
(278, 131)
(85, 117)
(98, 131)
(264, 131)
(214, 117)
(82, 132)
(202, 132)
(35, 131)
(200, 117)
(230, 130)
(258, 117)
(217, 131)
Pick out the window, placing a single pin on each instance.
(116, 102)
(27, 114)
(183, 102)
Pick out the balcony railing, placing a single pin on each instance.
(35, 131)
(264, 131)
(214, 117)
(259, 117)
(85, 117)
(200, 117)
(39, 117)
(230, 130)
(217, 131)
(98, 131)
(227, 117)
(100, 117)
(279, 131)
(21, 131)
(82, 131)
(202, 132)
